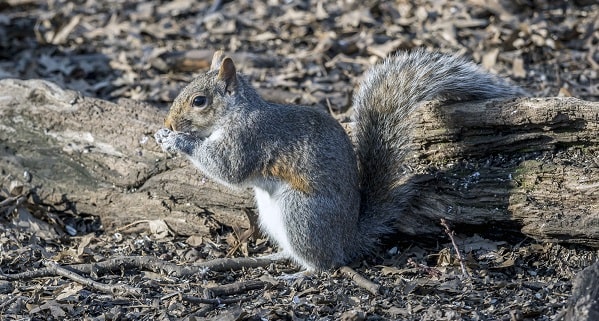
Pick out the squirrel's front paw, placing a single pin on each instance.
(166, 139)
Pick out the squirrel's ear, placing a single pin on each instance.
(228, 74)
(217, 58)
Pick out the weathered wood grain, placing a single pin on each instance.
(528, 163)
(96, 157)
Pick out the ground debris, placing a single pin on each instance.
(298, 52)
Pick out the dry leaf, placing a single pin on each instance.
(159, 229)
(85, 240)
(194, 240)
(26, 221)
(444, 257)
(518, 68)
(490, 58)
(506, 263)
(70, 293)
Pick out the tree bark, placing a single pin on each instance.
(529, 165)
(583, 304)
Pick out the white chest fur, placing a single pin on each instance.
(271, 219)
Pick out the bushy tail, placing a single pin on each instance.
(388, 95)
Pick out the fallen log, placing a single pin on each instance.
(530, 164)
(93, 157)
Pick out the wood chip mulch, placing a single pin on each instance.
(308, 52)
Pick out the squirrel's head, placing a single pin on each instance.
(203, 101)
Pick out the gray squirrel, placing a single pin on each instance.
(322, 200)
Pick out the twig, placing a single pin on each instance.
(449, 232)
(215, 6)
(201, 312)
(227, 264)
(9, 200)
(233, 288)
(217, 301)
(431, 271)
(27, 275)
(213, 303)
(17, 200)
(241, 239)
(10, 301)
(116, 289)
(360, 280)
(170, 295)
(152, 264)
(131, 225)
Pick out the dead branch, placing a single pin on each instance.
(213, 303)
(10, 203)
(115, 289)
(360, 280)
(450, 233)
(10, 301)
(151, 264)
(233, 288)
(27, 275)
(217, 301)
(159, 266)
(227, 264)
(16, 199)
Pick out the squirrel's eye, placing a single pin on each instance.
(199, 101)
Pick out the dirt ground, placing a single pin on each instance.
(308, 52)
